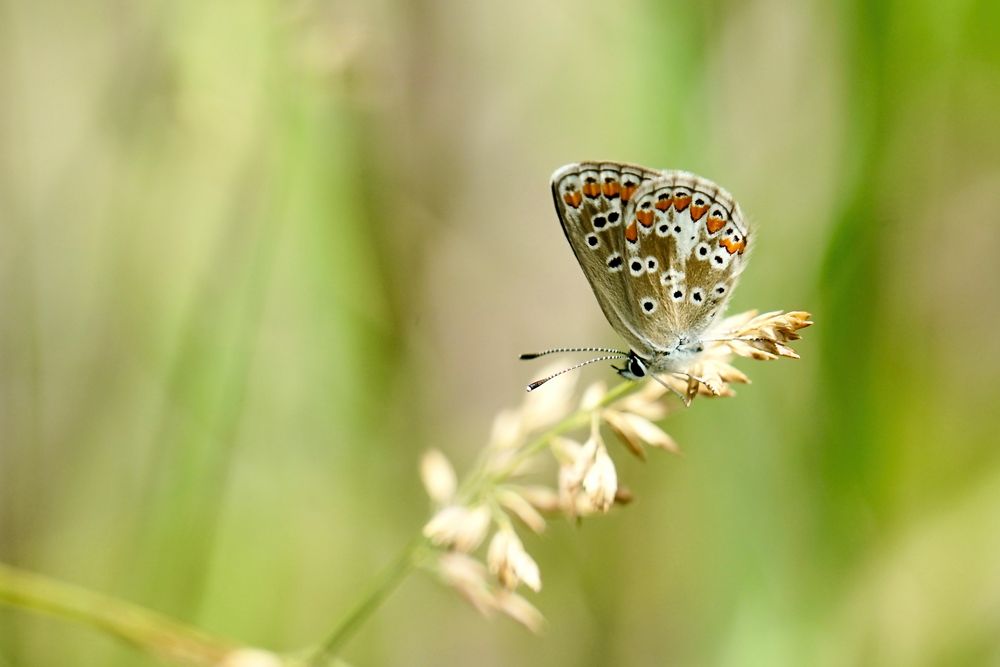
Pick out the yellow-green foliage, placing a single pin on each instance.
(255, 257)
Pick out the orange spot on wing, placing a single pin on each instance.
(663, 204)
(628, 191)
(733, 246)
(573, 198)
(611, 189)
(632, 233)
(715, 224)
(645, 218)
(681, 203)
(697, 212)
(592, 189)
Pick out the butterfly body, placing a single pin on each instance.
(662, 251)
(674, 360)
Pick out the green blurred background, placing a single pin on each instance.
(256, 256)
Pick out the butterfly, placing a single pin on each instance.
(662, 250)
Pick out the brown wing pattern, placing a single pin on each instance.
(685, 242)
(590, 198)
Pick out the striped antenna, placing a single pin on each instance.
(535, 355)
(538, 383)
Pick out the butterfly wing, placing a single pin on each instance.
(590, 198)
(685, 244)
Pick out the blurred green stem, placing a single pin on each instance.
(411, 556)
(386, 584)
(147, 630)
(173, 641)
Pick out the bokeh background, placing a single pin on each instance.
(256, 256)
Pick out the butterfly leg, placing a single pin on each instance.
(691, 389)
(672, 389)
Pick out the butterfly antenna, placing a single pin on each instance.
(555, 350)
(538, 383)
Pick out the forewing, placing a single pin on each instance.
(590, 198)
(685, 246)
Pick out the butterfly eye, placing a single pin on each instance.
(636, 368)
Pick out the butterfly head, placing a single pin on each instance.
(671, 360)
(635, 367)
